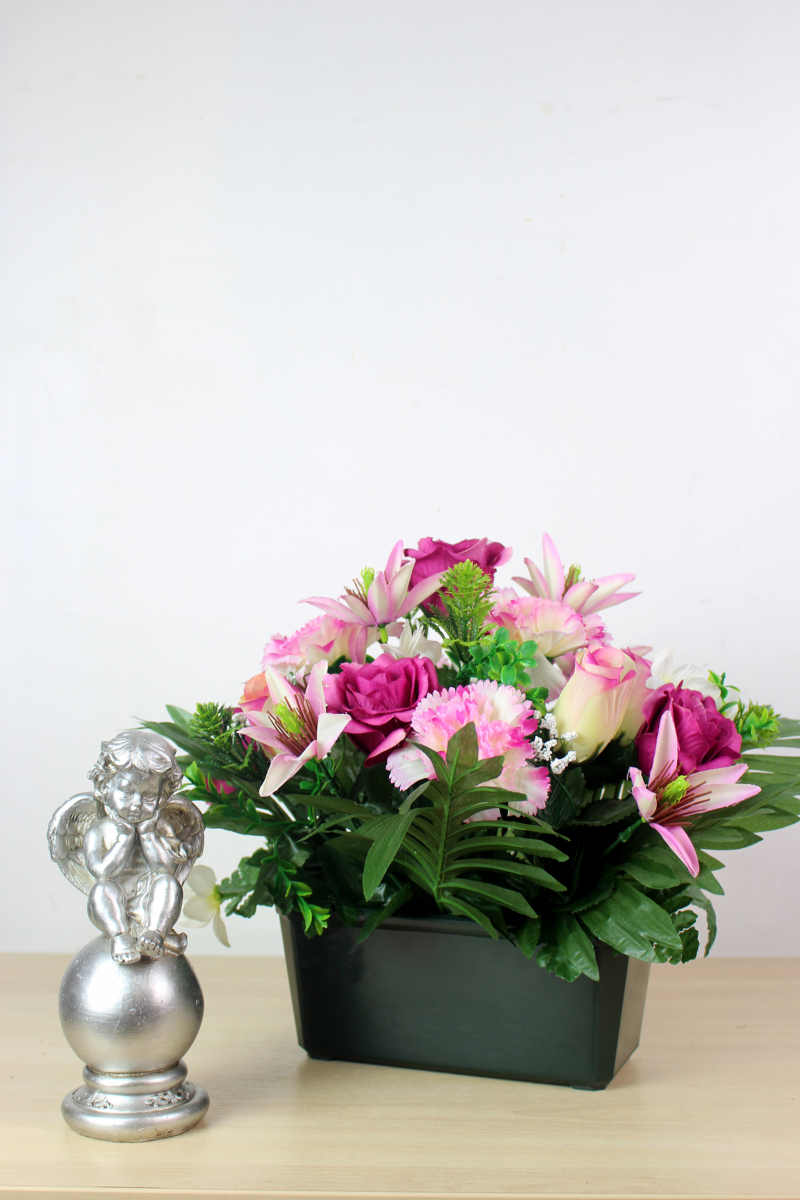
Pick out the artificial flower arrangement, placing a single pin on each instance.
(433, 744)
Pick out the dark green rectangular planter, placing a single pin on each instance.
(441, 995)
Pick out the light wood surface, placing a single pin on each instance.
(708, 1105)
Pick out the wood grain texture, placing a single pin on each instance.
(707, 1107)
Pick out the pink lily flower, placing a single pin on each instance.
(585, 597)
(295, 725)
(380, 605)
(669, 801)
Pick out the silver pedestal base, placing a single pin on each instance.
(135, 1107)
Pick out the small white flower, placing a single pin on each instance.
(689, 676)
(204, 906)
(414, 645)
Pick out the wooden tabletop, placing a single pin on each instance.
(708, 1105)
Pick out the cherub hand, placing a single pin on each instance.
(120, 822)
(149, 826)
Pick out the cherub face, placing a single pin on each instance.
(133, 795)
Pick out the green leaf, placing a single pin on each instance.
(528, 936)
(575, 945)
(462, 750)
(535, 874)
(180, 716)
(724, 837)
(488, 768)
(631, 922)
(513, 900)
(439, 767)
(374, 919)
(767, 823)
(651, 873)
(462, 908)
(521, 845)
(387, 835)
(412, 797)
(566, 797)
(699, 899)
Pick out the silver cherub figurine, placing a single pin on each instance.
(130, 1003)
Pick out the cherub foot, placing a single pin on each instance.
(124, 949)
(151, 943)
(175, 943)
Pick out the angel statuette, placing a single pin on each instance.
(130, 999)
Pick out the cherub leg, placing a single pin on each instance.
(163, 910)
(107, 912)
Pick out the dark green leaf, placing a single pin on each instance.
(535, 874)
(386, 834)
(528, 936)
(180, 716)
(576, 945)
(503, 896)
(374, 919)
(462, 750)
(462, 908)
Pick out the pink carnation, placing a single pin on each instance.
(503, 720)
(324, 638)
(556, 628)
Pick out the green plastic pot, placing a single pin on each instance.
(439, 994)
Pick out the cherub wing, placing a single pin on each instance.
(181, 824)
(65, 836)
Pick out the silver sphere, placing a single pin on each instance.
(134, 1018)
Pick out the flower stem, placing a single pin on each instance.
(624, 836)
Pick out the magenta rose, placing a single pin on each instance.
(380, 698)
(705, 737)
(433, 556)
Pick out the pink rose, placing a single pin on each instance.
(433, 556)
(380, 698)
(595, 698)
(705, 737)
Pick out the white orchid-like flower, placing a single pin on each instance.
(204, 907)
(414, 644)
(689, 676)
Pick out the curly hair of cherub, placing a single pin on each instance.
(143, 750)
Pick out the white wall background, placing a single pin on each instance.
(285, 281)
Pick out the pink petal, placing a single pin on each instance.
(421, 592)
(315, 694)
(265, 736)
(665, 758)
(281, 770)
(389, 742)
(330, 728)
(577, 596)
(332, 607)
(722, 795)
(379, 599)
(606, 586)
(280, 690)
(538, 584)
(553, 568)
(717, 775)
(395, 560)
(359, 611)
(646, 800)
(678, 840)
(398, 587)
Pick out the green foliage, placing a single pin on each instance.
(446, 849)
(340, 839)
(499, 657)
(466, 597)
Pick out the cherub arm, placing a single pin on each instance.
(106, 864)
(158, 854)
